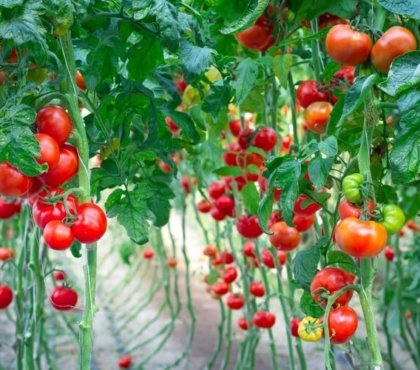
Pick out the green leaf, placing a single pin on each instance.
(246, 77)
(17, 142)
(403, 75)
(329, 146)
(409, 8)
(357, 94)
(250, 198)
(184, 121)
(286, 177)
(254, 10)
(342, 260)
(254, 102)
(405, 153)
(196, 59)
(228, 171)
(309, 307)
(159, 203)
(319, 169)
(217, 98)
(166, 17)
(305, 266)
(264, 210)
(143, 57)
(282, 65)
(308, 9)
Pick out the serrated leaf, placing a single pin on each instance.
(305, 266)
(166, 17)
(196, 59)
(329, 146)
(405, 153)
(217, 98)
(319, 169)
(264, 210)
(159, 203)
(409, 8)
(254, 10)
(143, 57)
(186, 124)
(250, 198)
(403, 75)
(343, 261)
(17, 142)
(309, 307)
(246, 77)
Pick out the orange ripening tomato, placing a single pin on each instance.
(360, 239)
(393, 43)
(257, 37)
(317, 115)
(347, 46)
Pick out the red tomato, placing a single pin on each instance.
(389, 253)
(12, 182)
(220, 288)
(344, 74)
(311, 91)
(264, 319)
(165, 167)
(275, 217)
(329, 281)
(6, 296)
(43, 212)
(256, 288)
(284, 237)
(412, 225)
(247, 159)
(204, 206)
(6, 254)
(294, 325)
(317, 115)
(217, 215)
(63, 298)
(171, 262)
(225, 204)
(265, 139)
(346, 46)
(55, 122)
(286, 141)
(210, 251)
(235, 301)
(90, 224)
(171, 125)
(226, 257)
(248, 249)
(393, 43)
(181, 85)
(185, 182)
(231, 154)
(58, 236)
(49, 150)
(258, 37)
(243, 323)
(230, 274)
(80, 80)
(9, 209)
(216, 189)
(360, 239)
(304, 206)
(148, 253)
(248, 227)
(59, 275)
(65, 169)
(342, 324)
(328, 19)
(268, 260)
(245, 138)
(235, 127)
(347, 209)
(125, 362)
(303, 223)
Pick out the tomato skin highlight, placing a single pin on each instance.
(346, 46)
(360, 239)
(58, 236)
(90, 225)
(342, 324)
(6, 296)
(394, 42)
(55, 122)
(63, 298)
(13, 183)
(9, 209)
(284, 237)
(329, 281)
(64, 170)
(317, 115)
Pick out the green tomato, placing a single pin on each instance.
(394, 218)
(351, 187)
